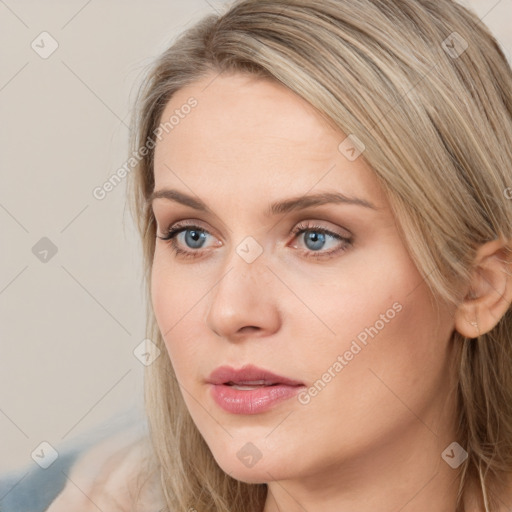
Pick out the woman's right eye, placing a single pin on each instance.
(186, 239)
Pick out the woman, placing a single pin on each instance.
(323, 194)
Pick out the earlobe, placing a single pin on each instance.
(490, 290)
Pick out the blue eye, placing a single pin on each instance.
(316, 238)
(319, 242)
(194, 238)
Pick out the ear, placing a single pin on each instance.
(490, 290)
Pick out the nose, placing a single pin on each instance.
(244, 302)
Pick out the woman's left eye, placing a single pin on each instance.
(317, 241)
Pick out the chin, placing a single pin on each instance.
(247, 468)
(248, 475)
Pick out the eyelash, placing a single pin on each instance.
(298, 230)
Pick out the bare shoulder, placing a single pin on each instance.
(114, 475)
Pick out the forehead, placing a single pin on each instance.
(248, 129)
(243, 108)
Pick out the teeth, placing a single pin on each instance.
(249, 383)
(246, 388)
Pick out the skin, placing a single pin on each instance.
(109, 477)
(372, 439)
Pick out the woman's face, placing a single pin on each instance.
(274, 270)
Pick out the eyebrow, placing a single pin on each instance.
(279, 207)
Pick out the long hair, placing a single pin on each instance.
(426, 88)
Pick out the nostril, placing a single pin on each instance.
(249, 328)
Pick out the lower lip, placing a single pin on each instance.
(254, 401)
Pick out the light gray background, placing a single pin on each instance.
(69, 326)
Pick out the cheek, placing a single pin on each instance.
(178, 294)
(171, 300)
(353, 303)
(163, 296)
(388, 341)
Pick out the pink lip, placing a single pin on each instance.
(248, 373)
(274, 389)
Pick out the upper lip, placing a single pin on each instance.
(248, 374)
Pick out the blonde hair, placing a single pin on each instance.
(435, 118)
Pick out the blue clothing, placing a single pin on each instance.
(33, 489)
